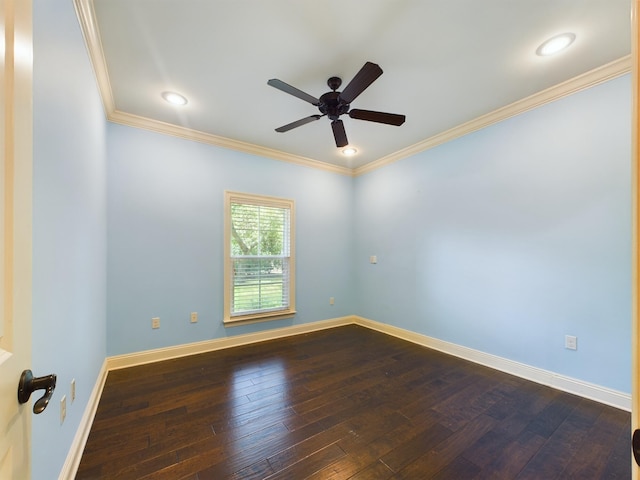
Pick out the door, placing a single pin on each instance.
(15, 234)
(635, 59)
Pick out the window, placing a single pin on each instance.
(259, 258)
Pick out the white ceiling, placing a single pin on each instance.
(445, 62)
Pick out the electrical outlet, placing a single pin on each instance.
(155, 322)
(331, 301)
(63, 409)
(570, 342)
(373, 259)
(194, 317)
(73, 390)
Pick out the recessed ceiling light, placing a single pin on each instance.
(174, 98)
(556, 44)
(349, 152)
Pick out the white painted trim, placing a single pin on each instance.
(91, 33)
(70, 467)
(598, 393)
(284, 204)
(168, 353)
(560, 382)
(131, 120)
(86, 16)
(635, 230)
(581, 82)
(85, 12)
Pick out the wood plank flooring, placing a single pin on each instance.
(345, 403)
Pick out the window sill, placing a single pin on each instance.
(258, 318)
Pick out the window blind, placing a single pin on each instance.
(260, 257)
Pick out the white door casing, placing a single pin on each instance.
(635, 367)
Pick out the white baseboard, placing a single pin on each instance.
(598, 393)
(71, 464)
(157, 355)
(571, 385)
(116, 362)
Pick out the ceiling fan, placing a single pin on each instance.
(333, 104)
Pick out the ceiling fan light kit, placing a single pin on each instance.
(349, 152)
(333, 104)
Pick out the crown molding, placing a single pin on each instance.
(581, 82)
(208, 138)
(88, 23)
(91, 33)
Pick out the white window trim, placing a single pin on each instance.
(237, 197)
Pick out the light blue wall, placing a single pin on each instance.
(511, 237)
(504, 240)
(165, 237)
(69, 228)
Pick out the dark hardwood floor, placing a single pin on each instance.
(345, 403)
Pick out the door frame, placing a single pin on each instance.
(635, 148)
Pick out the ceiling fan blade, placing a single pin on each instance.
(298, 123)
(380, 117)
(285, 87)
(365, 77)
(339, 133)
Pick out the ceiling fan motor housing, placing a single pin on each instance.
(332, 105)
